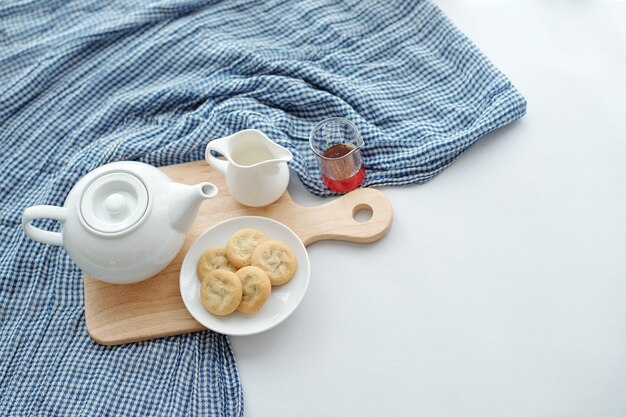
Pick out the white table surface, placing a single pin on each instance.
(501, 288)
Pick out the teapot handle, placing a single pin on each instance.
(217, 146)
(48, 212)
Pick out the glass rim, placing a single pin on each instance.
(341, 120)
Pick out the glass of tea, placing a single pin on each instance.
(337, 144)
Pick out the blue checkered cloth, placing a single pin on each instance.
(84, 83)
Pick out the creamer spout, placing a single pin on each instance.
(281, 154)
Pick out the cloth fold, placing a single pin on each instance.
(84, 83)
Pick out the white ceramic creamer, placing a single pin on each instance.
(255, 168)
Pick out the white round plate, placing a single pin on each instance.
(281, 303)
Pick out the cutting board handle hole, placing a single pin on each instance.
(361, 213)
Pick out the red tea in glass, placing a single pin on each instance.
(340, 176)
(336, 143)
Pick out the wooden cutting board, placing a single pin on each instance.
(117, 314)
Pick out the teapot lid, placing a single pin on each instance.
(114, 202)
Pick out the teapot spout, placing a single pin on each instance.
(185, 202)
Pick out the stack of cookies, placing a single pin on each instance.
(240, 276)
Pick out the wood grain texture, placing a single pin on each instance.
(118, 314)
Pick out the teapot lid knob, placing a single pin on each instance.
(114, 202)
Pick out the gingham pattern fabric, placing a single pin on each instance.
(84, 83)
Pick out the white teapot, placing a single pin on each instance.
(122, 222)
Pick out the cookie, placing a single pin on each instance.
(221, 292)
(241, 244)
(276, 259)
(211, 259)
(257, 288)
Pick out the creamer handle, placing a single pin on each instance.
(217, 145)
